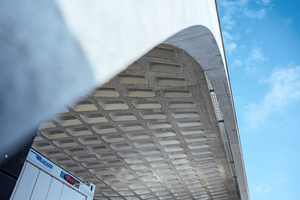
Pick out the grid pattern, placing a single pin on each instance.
(149, 133)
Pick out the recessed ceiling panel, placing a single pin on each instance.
(149, 133)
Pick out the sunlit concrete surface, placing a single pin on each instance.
(56, 52)
(155, 131)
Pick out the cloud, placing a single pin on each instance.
(266, 190)
(243, 2)
(280, 181)
(264, 187)
(232, 9)
(255, 14)
(256, 189)
(237, 63)
(256, 55)
(243, 47)
(249, 30)
(230, 47)
(264, 2)
(261, 188)
(227, 37)
(254, 60)
(288, 21)
(284, 89)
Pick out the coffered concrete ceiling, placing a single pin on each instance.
(152, 132)
(165, 128)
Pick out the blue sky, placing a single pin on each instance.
(262, 42)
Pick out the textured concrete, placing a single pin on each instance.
(51, 47)
(150, 133)
(55, 52)
(200, 44)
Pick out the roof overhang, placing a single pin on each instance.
(92, 52)
(166, 124)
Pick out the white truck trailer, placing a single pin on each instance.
(41, 179)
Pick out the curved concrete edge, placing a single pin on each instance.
(114, 34)
(55, 51)
(200, 43)
(107, 36)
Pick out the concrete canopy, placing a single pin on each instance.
(160, 129)
(95, 143)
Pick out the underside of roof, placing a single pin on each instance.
(164, 128)
(152, 132)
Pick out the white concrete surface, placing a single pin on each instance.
(142, 25)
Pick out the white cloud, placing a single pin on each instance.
(261, 187)
(256, 189)
(243, 2)
(237, 63)
(271, 7)
(254, 61)
(233, 9)
(243, 47)
(256, 55)
(255, 13)
(249, 30)
(264, 187)
(230, 47)
(230, 7)
(280, 181)
(288, 21)
(266, 190)
(228, 37)
(264, 2)
(285, 88)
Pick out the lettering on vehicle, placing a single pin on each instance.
(40, 161)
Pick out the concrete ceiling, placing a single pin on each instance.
(152, 132)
